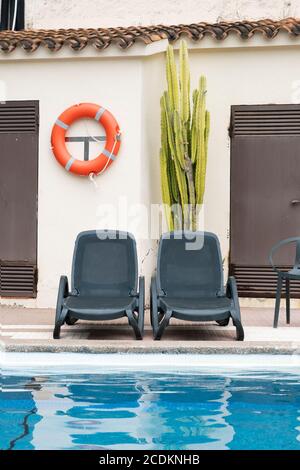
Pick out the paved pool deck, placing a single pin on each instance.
(30, 330)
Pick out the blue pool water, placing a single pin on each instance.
(143, 410)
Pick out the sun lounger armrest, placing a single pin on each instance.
(154, 285)
(159, 292)
(231, 290)
(141, 292)
(235, 312)
(63, 289)
(63, 292)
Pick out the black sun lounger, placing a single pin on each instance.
(189, 283)
(104, 282)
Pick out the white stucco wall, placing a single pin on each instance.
(101, 13)
(130, 87)
(235, 76)
(67, 203)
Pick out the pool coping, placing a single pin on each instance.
(69, 363)
(166, 347)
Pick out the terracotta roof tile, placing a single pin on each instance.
(101, 38)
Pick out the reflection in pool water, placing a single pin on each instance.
(142, 410)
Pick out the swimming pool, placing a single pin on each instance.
(149, 402)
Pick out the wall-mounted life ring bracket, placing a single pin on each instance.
(107, 156)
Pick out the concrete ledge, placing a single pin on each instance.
(69, 363)
(164, 347)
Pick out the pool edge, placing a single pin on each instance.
(157, 348)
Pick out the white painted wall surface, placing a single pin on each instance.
(130, 87)
(103, 13)
(235, 76)
(67, 203)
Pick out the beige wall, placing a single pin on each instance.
(68, 203)
(235, 75)
(258, 75)
(130, 87)
(101, 13)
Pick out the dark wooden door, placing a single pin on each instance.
(18, 198)
(265, 193)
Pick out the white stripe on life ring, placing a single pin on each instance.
(99, 113)
(109, 155)
(61, 124)
(69, 163)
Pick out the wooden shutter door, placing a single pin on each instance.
(18, 198)
(265, 183)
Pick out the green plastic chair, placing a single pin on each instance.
(285, 276)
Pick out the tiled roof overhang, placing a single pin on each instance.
(101, 38)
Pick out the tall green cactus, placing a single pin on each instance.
(184, 142)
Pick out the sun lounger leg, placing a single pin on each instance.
(141, 302)
(133, 322)
(163, 325)
(59, 322)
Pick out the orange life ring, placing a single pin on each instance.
(113, 139)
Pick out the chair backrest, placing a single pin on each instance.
(186, 272)
(283, 243)
(104, 263)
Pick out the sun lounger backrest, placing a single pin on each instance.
(104, 263)
(190, 266)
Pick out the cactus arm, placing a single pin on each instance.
(204, 165)
(184, 81)
(201, 154)
(165, 189)
(194, 142)
(163, 125)
(181, 182)
(192, 195)
(173, 86)
(179, 139)
(169, 134)
(173, 181)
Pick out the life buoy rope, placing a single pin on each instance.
(109, 153)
